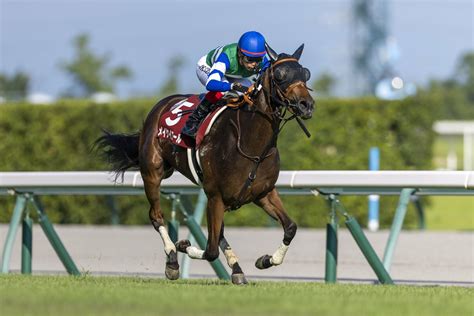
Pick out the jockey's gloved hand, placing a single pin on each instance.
(236, 86)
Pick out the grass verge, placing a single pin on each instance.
(62, 295)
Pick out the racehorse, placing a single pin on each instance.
(239, 160)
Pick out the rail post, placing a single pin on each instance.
(396, 226)
(367, 250)
(20, 205)
(331, 243)
(27, 244)
(374, 204)
(173, 223)
(197, 215)
(112, 204)
(416, 200)
(54, 238)
(364, 245)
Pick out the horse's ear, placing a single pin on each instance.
(271, 53)
(298, 52)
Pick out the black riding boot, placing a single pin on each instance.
(194, 120)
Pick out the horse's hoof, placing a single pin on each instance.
(172, 266)
(239, 279)
(171, 274)
(182, 245)
(263, 262)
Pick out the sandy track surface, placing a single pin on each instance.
(420, 257)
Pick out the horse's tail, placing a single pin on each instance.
(120, 151)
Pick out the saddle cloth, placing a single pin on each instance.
(172, 122)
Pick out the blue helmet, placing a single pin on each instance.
(252, 44)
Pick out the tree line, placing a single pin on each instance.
(91, 72)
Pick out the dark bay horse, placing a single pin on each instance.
(239, 160)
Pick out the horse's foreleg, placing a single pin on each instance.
(216, 240)
(215, 219)
(238, 276)
(184, 246)
(215, 216)
(272, 204)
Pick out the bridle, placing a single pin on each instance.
(283, 104)
(278, 96)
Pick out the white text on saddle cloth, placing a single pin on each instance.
(167, 133)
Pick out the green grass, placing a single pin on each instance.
(62, 295)
(445, 144)
(450, 213)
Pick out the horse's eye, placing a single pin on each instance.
(279, 74)
(307, 74)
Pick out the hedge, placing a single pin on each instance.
(58, 138)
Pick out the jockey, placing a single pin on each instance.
(231, 67)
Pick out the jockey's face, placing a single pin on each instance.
(249, 63)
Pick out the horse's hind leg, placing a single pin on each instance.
(152, 171)
(272, 204)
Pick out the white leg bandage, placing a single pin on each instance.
(279, 255)
(169, 245)
(230, 257)
(195, 253)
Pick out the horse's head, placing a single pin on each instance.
(287, 80)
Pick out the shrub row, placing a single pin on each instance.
(58, 138)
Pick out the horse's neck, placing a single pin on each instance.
(256, 133)
(258, 123)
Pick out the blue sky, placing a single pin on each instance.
(35, 35)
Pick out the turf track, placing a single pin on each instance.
(64, 295)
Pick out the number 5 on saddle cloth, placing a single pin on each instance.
(172, 122)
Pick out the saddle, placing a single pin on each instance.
(172, 122)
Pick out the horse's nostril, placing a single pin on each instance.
(308, 105)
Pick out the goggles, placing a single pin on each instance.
(249, 60)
